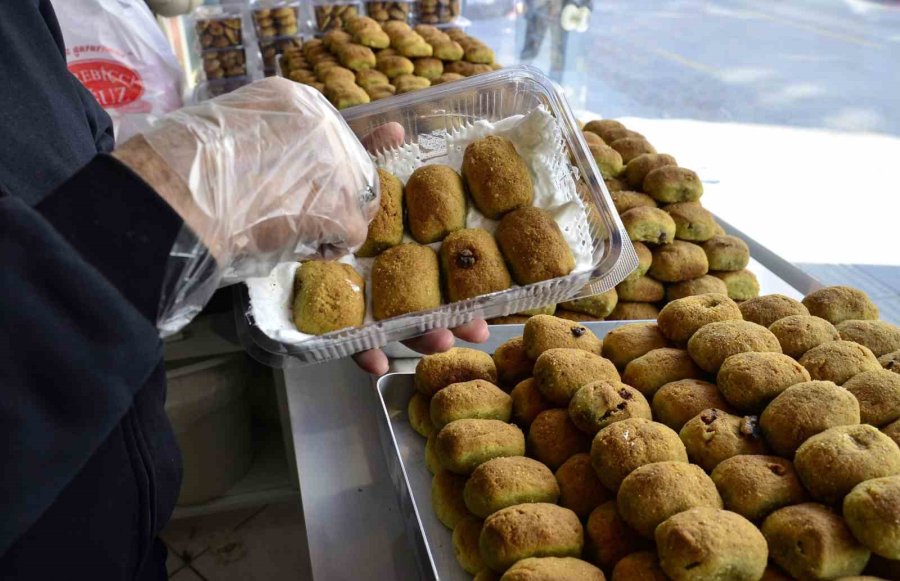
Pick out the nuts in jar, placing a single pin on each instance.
(385, 11)
(329, 17)
(219, 32)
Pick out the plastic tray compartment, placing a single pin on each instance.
(387, 11)
(218, 27)
(275, 19)
(438, 11)
(330, 15)
(428, 116)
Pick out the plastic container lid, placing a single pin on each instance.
(428, 116)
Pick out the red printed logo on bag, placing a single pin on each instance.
(112, 84)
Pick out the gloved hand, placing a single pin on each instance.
(265, 174)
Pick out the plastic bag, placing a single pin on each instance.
(118, 52)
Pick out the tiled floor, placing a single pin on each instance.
(264, 543)
(882, 283)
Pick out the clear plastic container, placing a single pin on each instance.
(218, 27)
(386, 11)
(437, 12)
(271, 48)
(275, 18)
(333, 15)
(224, 63)
(428, 116)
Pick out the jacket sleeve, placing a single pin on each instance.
(81, 280)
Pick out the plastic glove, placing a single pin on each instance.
(265, 174)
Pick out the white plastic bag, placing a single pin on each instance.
(117, 50)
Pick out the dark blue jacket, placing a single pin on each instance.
(89, 467)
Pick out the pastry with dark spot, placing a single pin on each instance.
(622, 447)
(714, 435)
(677, 402)
(726, 253)
(651, 225)
(472, 265)
(601, 403)
(755, 485)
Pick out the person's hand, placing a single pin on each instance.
(375, 361)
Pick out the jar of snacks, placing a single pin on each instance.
(275, 19)
(385, 11)
(218, 28)
(224, 63)
(437, 11)
(270, 49)
(333, 15)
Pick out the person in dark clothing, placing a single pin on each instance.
(100, 251)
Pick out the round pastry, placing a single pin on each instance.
(338, 74)
(641, 290)
(419, 412)
(622, 447)
(592, 138)
(386, 228)
(615, 184)
(328, 296)
(797, 334)
(527, 403)
(472, 265)
(670, 184)
(643, 566)
(394, 65)
(676, 402)
(600, 403)
(605, 128)
(431, 460)
(625, 200)
(463, 445)
(645, 259)
(530, 530)
(726, 253)
(714, 435)
(556, 568)
(608, 160)
(749, 381)
(892, 431)
(706, 284)
(381, 91)
(712, 344)
(810, 541)
(891, 361)
(356, 56)
(447, 498)
(804, 410)
(879, 336)
(871, 510)
(463, 68)
(628, 342)
(559, 373)
(631, 147)
(607, 539)
(710, 543)
(638, 168)
(878, 394)
(656, 368)
(553, 438)
(409, 83)
(837, 304)
(742, 284)
(435, 372)
(470, 400)
(599, 306)
(651, 225)
(838, 361)
(693, 222)
(496, 176)
(678, 261)
(405, 279)
(368, 79)
(430, 68)
(681, 318)
(543, 332)
(754, 485)
(504, 482)
(652, 493)
(831, 463)
(626, 311)
(534, 246)
(513, 365)
(435, 203)
(767, 309)
(465, 545)
(579, 488)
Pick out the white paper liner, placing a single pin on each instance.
(537, 139)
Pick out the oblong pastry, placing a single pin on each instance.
(543, 332)
(447, 498)
(553, 438)
(871, 510)
(465, 545)
(624, 344)
(560, 373)
(706, 284)
(742, 284)
(463, 445)
(497, 177)
(756, 485)
(651, 225)
(513, 364)
(622, 447)
(658, 367)
(726, 253)
(469, 400)
(837, 304)
(328, 296)
(672, 184)
(797, 334)
(437, 371)
(534, 246)
(749, 381)
(767, 309)
(530, 530)
(712, 344)
(880, 337)
(677, 402)
(597, 404)
(405, 279)
(419, 412)
(509, 481)
(714, 435)
(638, 168)
(386, 228)
(557, 568)
(878, 394)
(579, 488)
(838, 361)
(679, 261)
(472, 265)
(435, 203)
(528, 402)
(681, 318)
(607, 539)
(693, 222)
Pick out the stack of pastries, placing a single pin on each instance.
(722, 441)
